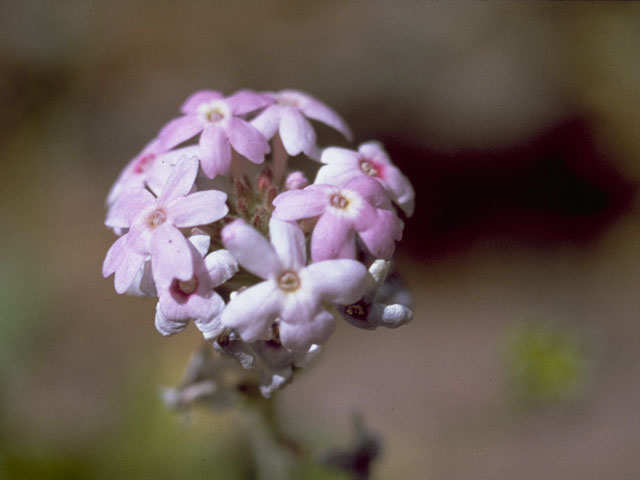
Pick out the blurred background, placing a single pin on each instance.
(518, 126)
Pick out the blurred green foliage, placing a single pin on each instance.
(544, 363)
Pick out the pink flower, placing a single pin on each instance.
(154, 224)
(218, 120)
(150, 168)
(361, 207)
(291, 292)
(371, 159)
(196, 298)
(288, 116)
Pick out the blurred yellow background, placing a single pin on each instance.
(518, 125)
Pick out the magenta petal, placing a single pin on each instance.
(342, 281)
(139, 237)
(199, 208)
(267, 121)
(253, 310)
(171, 256)
(180, 181)
(215, 151)
(128, 269)
(401, 189)
(246, 101)
(319, 111)
(330, 236)
(247, 140)
(251, 249)
(289, 242)
(297, 204)
(178, 130)
(300, 337)
(196, 99)
(381, 237)
(296, 132)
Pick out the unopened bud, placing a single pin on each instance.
(295, 181)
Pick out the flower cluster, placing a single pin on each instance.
(211, 222)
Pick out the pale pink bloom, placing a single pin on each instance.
(291, 292)
(154, 225)
(359, 208)
(371, 159)
(288, 117)
(149, 169)
(217, 119)
(196, 298)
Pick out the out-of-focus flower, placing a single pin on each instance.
(371, 312)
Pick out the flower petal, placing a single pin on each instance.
(171, 256)
(332, 237)
(178, 130)
(296, 132)
(130, 203)
(251, 248)
(299, 338)
(215, 151)
(246, 101)
(166, 326)
(371, 191)
(196, 99)
(128, 270)
(253, 310)
(247, 140)
(221, 266)
(297, 204)
(115, 254)
(268, 121)
(317, 110)
(341, 281)
(212, 326)
(289, 242)
(381, 237)
(199, 208)
(180, 181)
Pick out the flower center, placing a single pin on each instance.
(214, 112)
(289, 281)
(157, 217)
(339, 201)
(288, 101)
(369, 168)
(189, 286)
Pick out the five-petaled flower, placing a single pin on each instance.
(217, 119)
(371, 159)
(291, 294)
(154, 225)
(360, 207)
